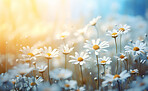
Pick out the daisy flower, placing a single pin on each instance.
(121, 77)
(47, 87)
(62, 35)
(68, 85)
(105, 60)
(48, 52)
(66, 49)
(42, 68)
(96, 45)
(136, 48)
(58, 74)
(140, 84)
(94, 21)
(23, 69)
(31, 52)
(114, 33)
(123, 28)
(134, 71)
(79, 58)
(34, 81)
(121, 57)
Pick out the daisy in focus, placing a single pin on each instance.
(66, 49)
(79, 58)
(48, 52)
(96, 45)
(30, 52)
(121, 57)
(114, 33)
(136, 48)
(123, 28)
(105, 60)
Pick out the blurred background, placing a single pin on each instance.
(36, 22)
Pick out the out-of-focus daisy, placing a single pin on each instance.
(58, 74)
(140, 84)
(94, 21)
(134, 71)
(66, 49)
(34, 81)
(105, 60)
(47, 87)
(62, 35)
(121, 77)
(123, 28)
(121, 57)
(31, 52)
(23, 69)
(48, 52)
(42, 68)
(68, 85)
(114, 33)
(96, 45)
(79, 58)
(136, 48)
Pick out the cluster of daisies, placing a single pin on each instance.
(87, 67)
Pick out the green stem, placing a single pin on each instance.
(120, 66)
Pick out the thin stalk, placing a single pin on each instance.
(42, 75)
(120, 66)
(65, 60)
(81, 74)
(119, 88)
(124, 64)
(98, 82)
(104, 69)
(116, 54)
(127, 64)
(97, 31)
(120, 43)
(48, 71)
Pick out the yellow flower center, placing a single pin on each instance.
(67, 85)
(30, 54)
(27, 61)
(33, 84)
(114, 34)
(96, 47)
(122, 56)
(116, 76)
(80, 59)
(132, 71)
(17, 76)
(61, 75)
(63, 36)
(103, 61)
(142, 84)
(13, 82)
(122, 29)
(136, 49)
(78, 90)
(147, 57)
(49, 54)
